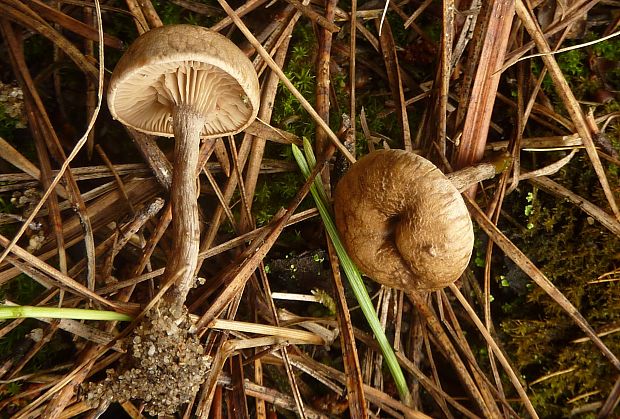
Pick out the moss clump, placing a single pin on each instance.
(586, 69)
(277, 190)
(572, 250)
(272, 194)
(288, 113)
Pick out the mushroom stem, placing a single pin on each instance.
(465, 178)
(187, 126)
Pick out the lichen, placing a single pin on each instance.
(12, 113)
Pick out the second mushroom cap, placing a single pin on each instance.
(402, 221)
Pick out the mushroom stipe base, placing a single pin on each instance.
(165, 365)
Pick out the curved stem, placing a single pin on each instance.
(183, 195)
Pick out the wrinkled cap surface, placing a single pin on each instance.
(184, 65)
(403, 222)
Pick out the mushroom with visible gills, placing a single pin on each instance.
(192, 83)
(403, 222)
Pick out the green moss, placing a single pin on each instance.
(572, 250)
(479, 251)
(288, 112)
(274, 193)
(277, 190)
(573, 62)
(609, 49)
(576, 66)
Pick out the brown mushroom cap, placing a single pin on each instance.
(403, 222)
(186, 65)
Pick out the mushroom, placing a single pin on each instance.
(189, 82)
(403, 222)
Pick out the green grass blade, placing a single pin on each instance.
(351, 272)
(20, 312)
